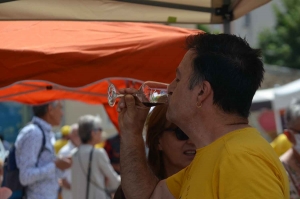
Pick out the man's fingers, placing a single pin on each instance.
(128, 91)
(121, 105)
(130, 103)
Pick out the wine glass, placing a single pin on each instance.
(150, 94)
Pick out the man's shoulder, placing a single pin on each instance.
(101, 154)
(245, 140)
(100, 151)
(28, 132)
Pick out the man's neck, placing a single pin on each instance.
(212, 125)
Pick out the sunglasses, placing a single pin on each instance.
(180, 135)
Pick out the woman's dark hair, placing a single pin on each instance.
(156, 123)
(234, 70)
(40, 110)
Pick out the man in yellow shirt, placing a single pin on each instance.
(209, 100)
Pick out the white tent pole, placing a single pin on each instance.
(277, 112)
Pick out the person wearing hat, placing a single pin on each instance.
(65, 136)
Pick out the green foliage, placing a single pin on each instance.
(203, 27)
(282, 45)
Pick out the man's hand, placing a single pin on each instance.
(132, 113)
(134, 168)
(63, 163)
(64, 183)
(5, 193)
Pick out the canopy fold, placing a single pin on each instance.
(74, 54)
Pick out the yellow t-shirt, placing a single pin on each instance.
(281, 144)
(100, 145)
(239, 165)
(59, 144)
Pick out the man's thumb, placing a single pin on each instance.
(130, 103)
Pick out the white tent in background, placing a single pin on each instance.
(160, 11)
(277, 98)
(263, 99)
(284, 94)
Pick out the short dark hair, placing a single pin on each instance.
(40, 110)
(234, 70)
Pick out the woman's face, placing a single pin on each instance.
(177, 154)
(97, 135)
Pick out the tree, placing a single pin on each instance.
(282, 46)
(203, 27)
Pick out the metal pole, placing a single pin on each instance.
(226, 26)
(226, 18)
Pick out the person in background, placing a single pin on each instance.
(210, 100)
(5, 143)
(40, 174)
(1, 171)
(66, 152)
(65, 136)
(92, 174)
(170, 149)
(291, 158)
(281, 144)
(112, 148)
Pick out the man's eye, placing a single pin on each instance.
(177, 80)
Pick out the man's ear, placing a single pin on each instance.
(204, 91)
(50, 108)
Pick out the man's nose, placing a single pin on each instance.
(170, 88)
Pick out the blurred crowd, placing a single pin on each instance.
(58, 168)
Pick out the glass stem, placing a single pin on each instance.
(119, 95)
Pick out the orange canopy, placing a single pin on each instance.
(42, 61)
(75, 54)
(38, 92)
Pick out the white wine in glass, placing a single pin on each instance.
(150, 94)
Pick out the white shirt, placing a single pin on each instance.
(64, 152)
(103, 177)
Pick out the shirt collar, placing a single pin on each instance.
(45, 125)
